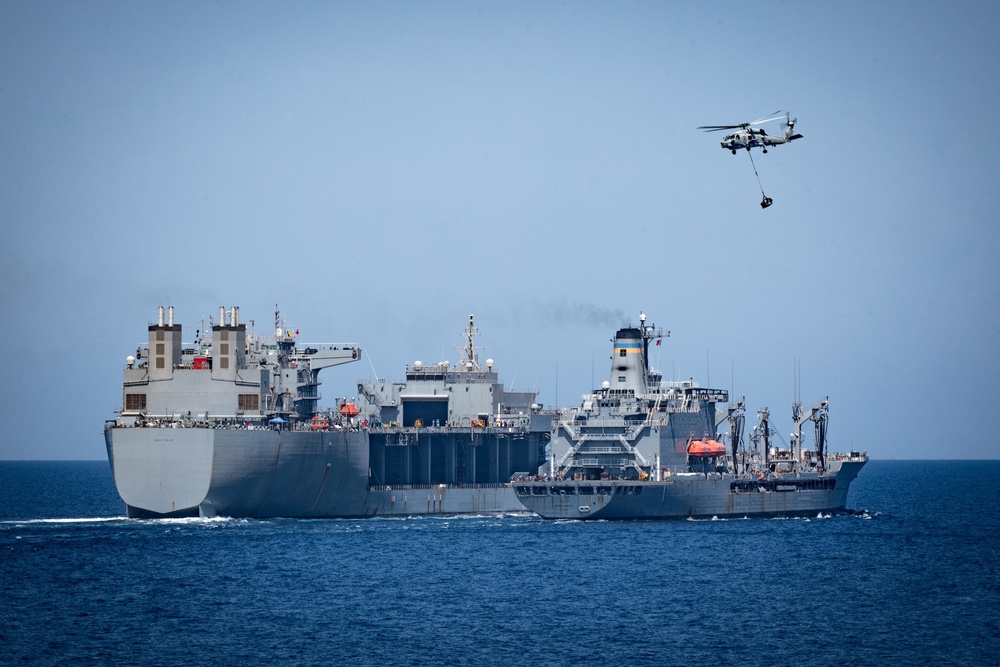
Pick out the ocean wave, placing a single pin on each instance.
(60, 521)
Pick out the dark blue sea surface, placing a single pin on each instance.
(912, 580)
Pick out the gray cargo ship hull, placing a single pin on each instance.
(164, 472)
(691, 496)
(444, 499)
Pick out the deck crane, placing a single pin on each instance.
(818, 414)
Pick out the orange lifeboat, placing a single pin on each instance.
(705, 450)
(349, 409)
(319, 424)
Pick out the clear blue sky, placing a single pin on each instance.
(382, 170)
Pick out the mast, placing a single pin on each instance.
(645, 345)
(470, 360)
(648, 333)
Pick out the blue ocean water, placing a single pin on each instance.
(912, 580)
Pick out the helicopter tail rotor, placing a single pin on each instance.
(790, 129)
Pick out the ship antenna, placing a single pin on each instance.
(368, 356)
(516, 370)
(797, 382)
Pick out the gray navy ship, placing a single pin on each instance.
(230, 425)
(643, 448)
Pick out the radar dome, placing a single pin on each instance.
(417, 365)
(130, 360)
(605, 385)
(489, 363)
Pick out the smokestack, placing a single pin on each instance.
(222, 316)
(160, 319)
(170, 316)
(236, 315)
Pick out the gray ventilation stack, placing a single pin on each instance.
(164, 347)
(229, 344)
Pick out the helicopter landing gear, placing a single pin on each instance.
(765, 151)
(734, 151)
(767, 201)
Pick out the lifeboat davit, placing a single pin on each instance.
(349, 409)
(706, 449)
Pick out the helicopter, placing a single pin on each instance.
(750, 137)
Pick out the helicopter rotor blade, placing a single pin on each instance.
(767, 119)
(716, 128)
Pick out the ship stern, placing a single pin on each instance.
(161, 472)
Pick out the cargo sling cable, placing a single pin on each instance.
(766, 201)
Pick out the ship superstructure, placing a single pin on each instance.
(451, 429)
(225, 375)
(451, 424)
(641, 447)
